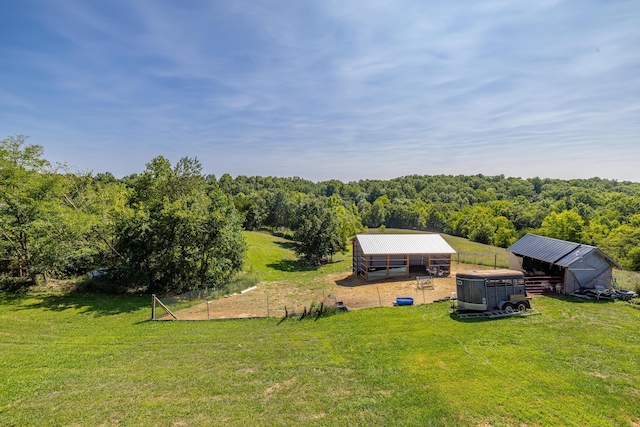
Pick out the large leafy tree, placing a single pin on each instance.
(52, 222)
(34, 231)
(180, 233)
(96, 202)
(565, 225)
(317, 231)
(349, 223)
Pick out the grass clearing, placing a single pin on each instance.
(272, 258)
(96, 360)
(90, 359)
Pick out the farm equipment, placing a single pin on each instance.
(605, 294)
(491, 290)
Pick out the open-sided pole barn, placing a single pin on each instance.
(378, 256)
(552, 265)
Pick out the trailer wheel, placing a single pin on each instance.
(521, 306)
(508, 307)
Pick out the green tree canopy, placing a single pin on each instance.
(566, 225)
(180, 233)
(317, 231)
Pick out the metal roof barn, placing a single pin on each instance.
(377, 256)
(568, 266)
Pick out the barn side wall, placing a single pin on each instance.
(515, 262)
(359, 261)
(589, 272)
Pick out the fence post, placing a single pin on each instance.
(208, 316)
(495, 260)
(268, 312)
(153, 306)
(379, 299)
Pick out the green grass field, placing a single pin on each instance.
(96, 360)
(87, 359)
(272, 258)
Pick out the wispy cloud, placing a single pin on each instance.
(328, 89)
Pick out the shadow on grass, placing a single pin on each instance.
(291, 266)
(85, 303)
(290, 245)
(296, 266)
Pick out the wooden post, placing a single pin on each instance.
(164, 307)
(495, 261)
(408, 262)
(366, 267)
(153, 307)
(208, 315)
(379, 299)
(268, 313)
(388, 256)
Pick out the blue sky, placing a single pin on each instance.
(328, 89)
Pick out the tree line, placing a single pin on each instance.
(173, 228)
(169, 228)
(495, 210)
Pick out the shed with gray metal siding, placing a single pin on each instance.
(581, 266)
(378, 256)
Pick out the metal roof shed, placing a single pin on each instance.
(579, 265)
(378, 256)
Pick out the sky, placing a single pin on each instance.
(328, 89)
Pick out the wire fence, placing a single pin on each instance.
(267, 300)
(488, 258)
(279, 300)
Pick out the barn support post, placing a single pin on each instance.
(408, 262)
(366, 268)
(388, 256)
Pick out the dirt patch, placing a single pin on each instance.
(274, 299)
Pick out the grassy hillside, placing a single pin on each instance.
(272, 258)
(86, 359)
(96, 360)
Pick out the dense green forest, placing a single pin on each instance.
(171, 227)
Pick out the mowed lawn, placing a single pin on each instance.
(96, 360)
(90, 359)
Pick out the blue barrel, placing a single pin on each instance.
(404, 301)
